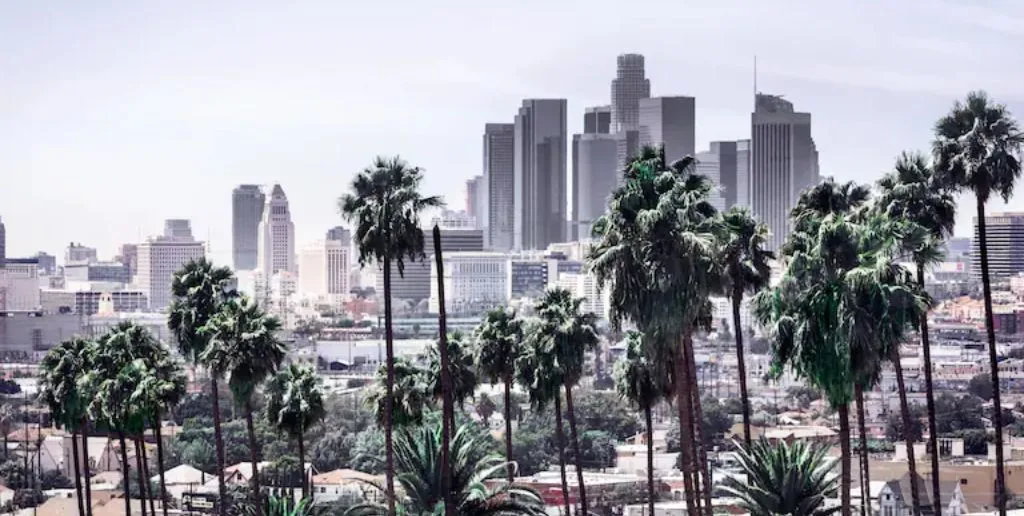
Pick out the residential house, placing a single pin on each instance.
(348, 485)
(182, 479)
(895, 498)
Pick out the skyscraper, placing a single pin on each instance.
(476, 200)
(596, 120)
(1004, 236)
(3, 244)
(726, 163)
(668, 121)
(783, 162)
(247, 202)
(499, 185)
(340, 234)
(159, 258)
(276, 235)
(178, 228)
(414, 283)
(595, 164)
(628, 87)
(323, 268)
(541, 178)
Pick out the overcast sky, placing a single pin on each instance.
(117, 115)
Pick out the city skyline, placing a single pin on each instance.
(209, 135)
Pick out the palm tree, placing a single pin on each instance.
(655, 253)
(499, 341)
(637, 381)
(911, 192)
(746, 271)
(537, 371)
(199, 289)
(295, 402)
(568, 334)
(385, 204)
(158, 392)
(61, 369)
(8, 416)
(794, 479)
(418, 455)
(244, 345)
(409, 396)
(977, 147)
(462, 371)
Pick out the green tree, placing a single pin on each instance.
(385, 205)
(409, 396)
(977, 147)
(368, 450)
(597, 449)
(295, 402)
(636, 381)
(656, 254)
(244, 345)
(981, 386)
(747, 271)
(895, 427)
(334, 450)
(485, 408)
(795, 479)
(199, 289)
(911, 192)
(499, 341)
(417, 454)
(462, 370)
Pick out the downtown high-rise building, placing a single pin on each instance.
(160, 257)
(324, 268)
(540, 172)
(1004, 239)
(629, 86)
(727, 164)
(340, 234)
(3, 244)
(499, 186)
(596, 121)
(276, 235)
(247, 203)
(413, 284)
(783, 163)
(476, 200)
(668, 121)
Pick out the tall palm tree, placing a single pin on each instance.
(796, 479)
(419, 473)
(385, 204)
(568, 334)
(911, 192)
(746, 271)
(656, 254)
(158, 392)
(537, 371)
(409, 396)
(462, 371)
(295, 402)
(977, 147)
(199, 289)
(499, 341)
(637, 381)
(244, 345)
(60, 370)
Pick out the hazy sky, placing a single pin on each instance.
(117, 115)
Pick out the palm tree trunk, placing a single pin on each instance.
(698, 428)
(651, 497)
(915, 495)
(508, 430)
(447, 407)
(389, 446)
(865, 472)
(571, 412)
(160, 460)
(140, 476)
(85, 466)
(560, 438)
(844, 445)
(218, 437)
(741, 363)
(254, 456)
(78, 471)
(933, 434)
(683, 403)
(149, 485)
(302, 465)
(993, 359)
(124, 473)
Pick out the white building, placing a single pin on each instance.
(276, 235)
(584, 285)
(158, 259)
(19, 285)
(472, 281)
(324, 268)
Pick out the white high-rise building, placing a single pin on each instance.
(473, 282)
(783, 163)
(159, 258)
(583, 284)
(324, 268)
(19, 283)
(276, 235)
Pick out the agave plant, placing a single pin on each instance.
(781, 478)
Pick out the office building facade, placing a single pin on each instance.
(783, 162)
(158, 259)
(727, 164)
(541, 175)
(629, 86)
(599, 175)
(473, 282)
(78, 253)
(499, 185)
(247, 203)
(324, 268)
(668, 121)
(1004, 236)
(276, 235)
(414, 283)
